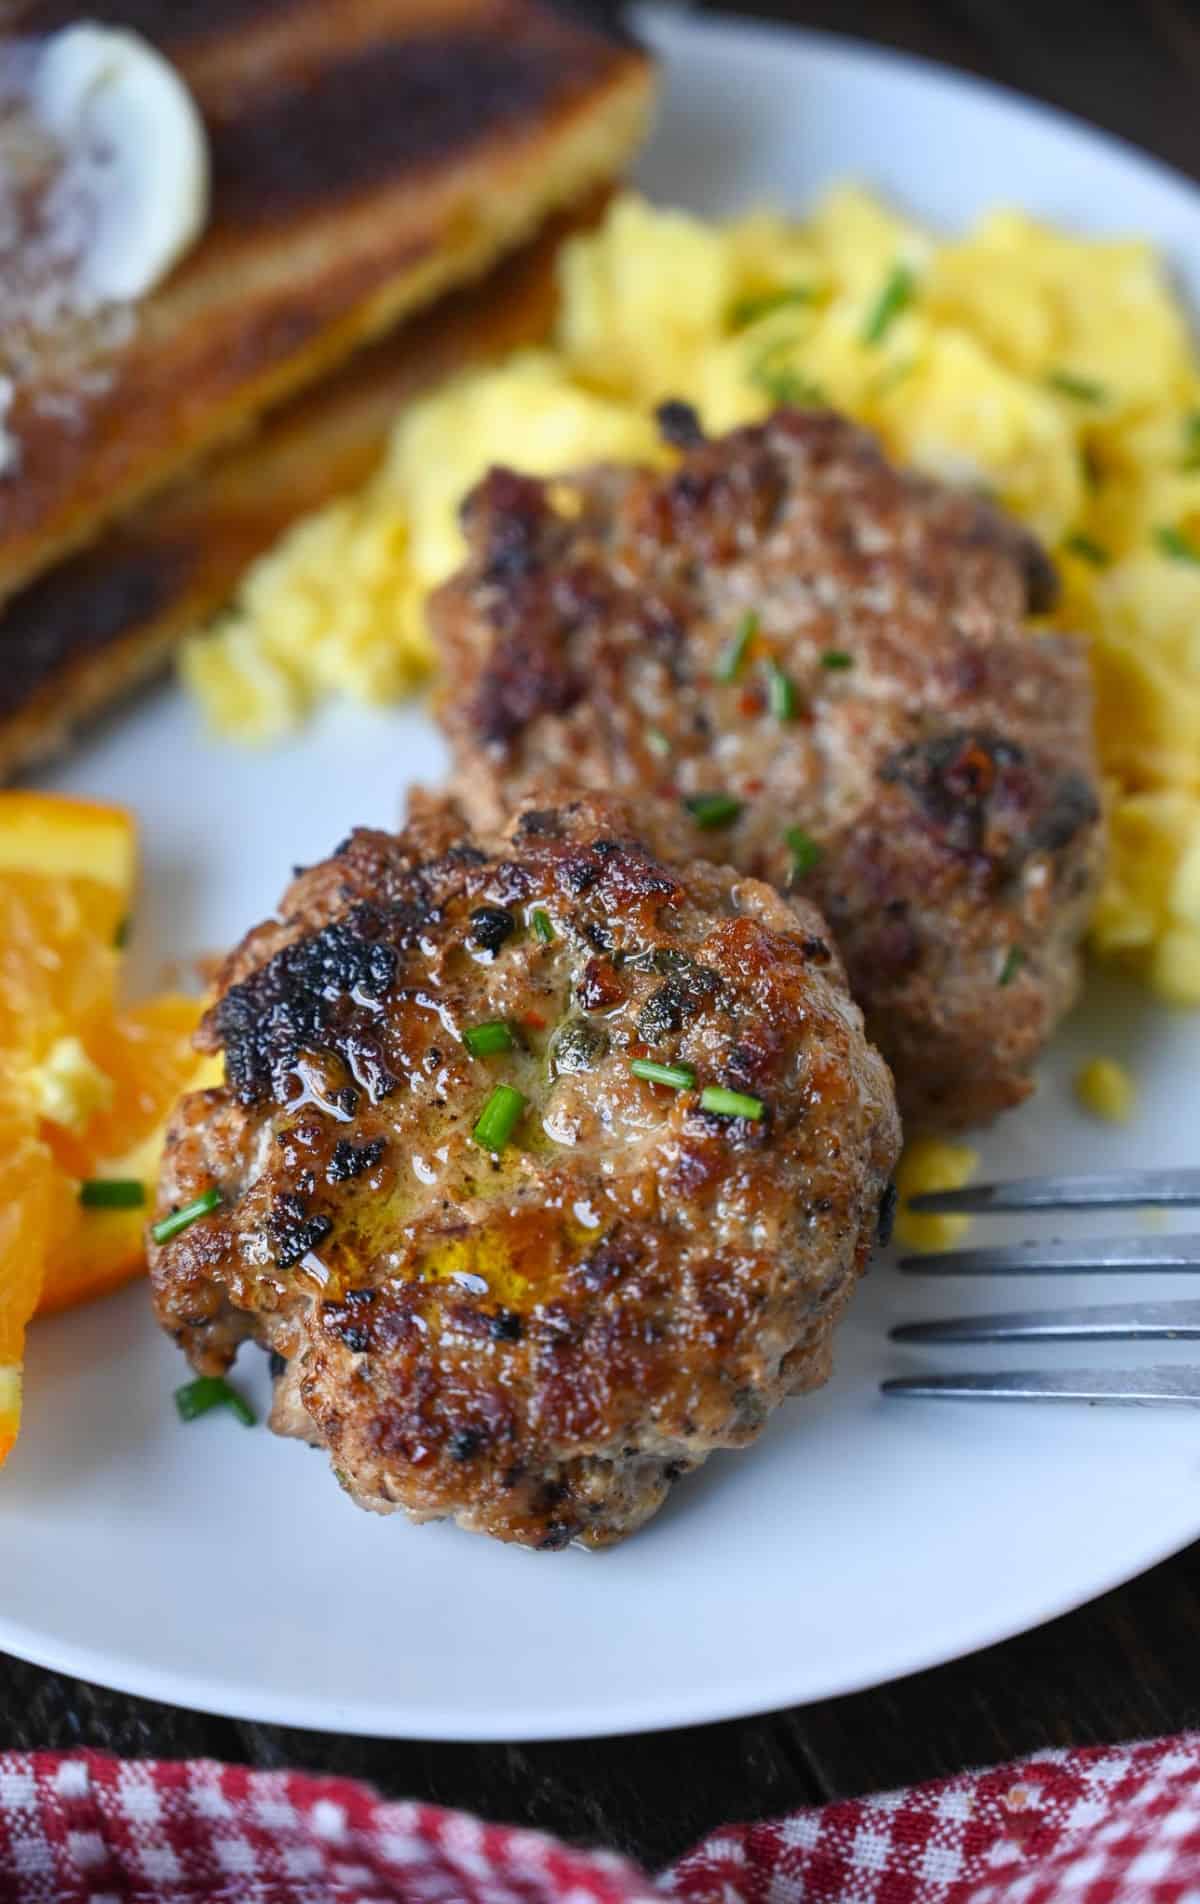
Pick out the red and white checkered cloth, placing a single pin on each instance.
(1118, 1825)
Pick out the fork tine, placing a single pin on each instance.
(1121, 1187)
(1067, 1385)
(1143, 1253)
(1107, 1322)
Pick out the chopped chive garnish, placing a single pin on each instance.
(657, 742)
(499, 1118)
(1191, 438)
(710, 810)
(784, 385)
(748, 310)
(209, 1392)
(897, 294)
(112, 1193)
(543, 928)
(1082, 389)
(714, 1097)
(781, 692)
(729, 666)
(483, 1041)
(836, 658)
(1176, 544)
(1087, 549)
(121, 935)
(1014, 959)
(180, 1219)
(804, 850)
(680, 1077)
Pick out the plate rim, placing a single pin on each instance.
(392, 1717)
(683, 16)
(488, 1727)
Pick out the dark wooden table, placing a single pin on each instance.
(1126, 1666)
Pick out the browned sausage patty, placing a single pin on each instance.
(835, 654)
(537, 1339)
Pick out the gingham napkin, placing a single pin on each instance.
(1103, 1826)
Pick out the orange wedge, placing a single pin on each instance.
(147, 1053)
(26, 1196)
(85, 1087)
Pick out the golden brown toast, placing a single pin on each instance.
(80, 637)
(368, 155)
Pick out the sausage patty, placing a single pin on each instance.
(822, 665)
(534, 1332)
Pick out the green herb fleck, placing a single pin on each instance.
(121, 935)
(112, 1193)
(782, 382)
(1014, 959)
(657, 742)
(896, 295)
(543, 927)
(1081, 389)
(748, 310)
(1191, 442)
(181, 1219)
(789, 386)
(209, 1392)
(499, 1118)
(714, 1097)
(1087, 549)
(483, 1041)
(834, 658)
(1176, 544)
(804, 851)
(730, 664)
(781, 692)
(680, 1077)
(710, 810)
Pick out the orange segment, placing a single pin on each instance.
(26, 1201)
(57, 837)
(57, 972)
(77, 852)
(147, 1052)
(84, 1089)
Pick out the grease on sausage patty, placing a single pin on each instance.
(839, 653)
(537, 1339)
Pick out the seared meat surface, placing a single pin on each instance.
(839, 651)
(535, 1339)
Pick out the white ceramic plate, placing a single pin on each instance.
(861, 1539)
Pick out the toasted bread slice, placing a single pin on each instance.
(367, 156)
(81, 637)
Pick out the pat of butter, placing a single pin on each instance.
(135, 153)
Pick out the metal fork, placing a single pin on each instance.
(1110, 1322)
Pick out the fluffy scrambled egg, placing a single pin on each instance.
(929, 1163)
(1055, 372)
(1106, 1089)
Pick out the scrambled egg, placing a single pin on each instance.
(1106, 1089)
(929, 1163)
(1055, 372)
